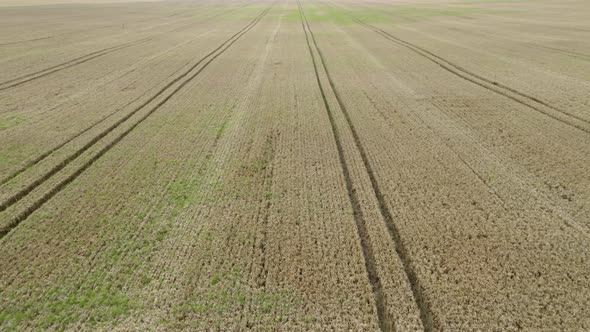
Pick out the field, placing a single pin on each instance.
(412, 165)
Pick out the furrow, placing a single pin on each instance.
(517, 96)
(426, 317)
(78, 31)
(576, 55)
(63, 183)
(367, 249)
(47, 153)
(464, 162)
(265, 209)
(90, 56)
(32, 40)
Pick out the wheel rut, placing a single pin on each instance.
(39, 158)
(90, 56)
(522, 98)
(385, 322)
(166, 93)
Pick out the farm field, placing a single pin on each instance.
(295, 165)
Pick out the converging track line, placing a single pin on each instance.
(385, 322)
(90, 56)
(206, 60)
(71, 138)
(522, 98)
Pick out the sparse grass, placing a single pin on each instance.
(62, 306)
(11, 120)
(6, 158)
(343, 16)
(103, 295)
(99, 305)
(183, 193)
(227, 292)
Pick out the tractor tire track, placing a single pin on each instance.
(47, 153)
(93, 55)
(522, 98)
(422, 303)
(577, 55)
(574, 54)
(77, 32)
(264, 211)
(366, 246)
(34, 39)
(206, 60)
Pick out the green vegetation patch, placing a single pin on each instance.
(199, 190)
(105, 295)
(61, 307)
(226, 294)
(99, 305)
(11, 120)
(336, 15)
(8, 156)
(342, 16)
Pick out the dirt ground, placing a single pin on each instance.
(295, 165)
